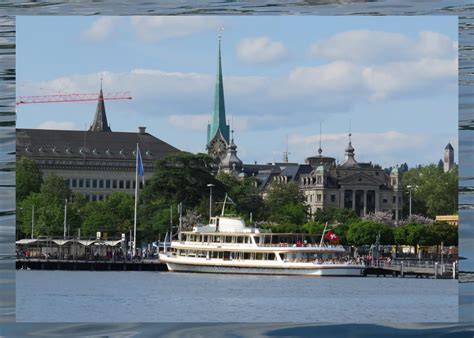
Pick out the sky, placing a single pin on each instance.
(391, 81)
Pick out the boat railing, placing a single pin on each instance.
(292, 245)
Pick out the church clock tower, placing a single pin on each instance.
(218, 130)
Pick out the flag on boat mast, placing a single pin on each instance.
(138, 172)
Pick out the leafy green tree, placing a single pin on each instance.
(28, 178)
(181, 177)
(436, 192)
(55, 190)
(285, 204)
(113, 215)
(244, 194)
(332, 215)
(365, 232)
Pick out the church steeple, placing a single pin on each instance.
(218, 123)
(100, 120)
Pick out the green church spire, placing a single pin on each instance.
(218, 122)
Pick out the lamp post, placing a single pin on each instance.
(65, 217)
(210, 185)
(410, 188)
(32, 220)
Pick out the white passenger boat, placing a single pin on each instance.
(227, 245)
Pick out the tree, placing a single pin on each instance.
(332, 215)
(113, 215)
(436, 192)
(28, 178)
(55, 190)
(365, 233)
(181, 178)
(285, 204)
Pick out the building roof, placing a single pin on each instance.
(74, 144)
(449, 146)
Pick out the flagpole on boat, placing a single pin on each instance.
(322, 236)
(136, 205)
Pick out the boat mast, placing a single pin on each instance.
(223, 205)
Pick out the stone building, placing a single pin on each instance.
(363, 187)
(96, 162)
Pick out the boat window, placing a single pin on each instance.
(246, 255)
(228, 239)
(271, 256)
(258, 256)
(205, 239)
(240, 239)
(257, 240)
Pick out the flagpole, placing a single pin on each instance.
(322, 236)
(136, 205)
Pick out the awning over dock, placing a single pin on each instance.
(61, 242)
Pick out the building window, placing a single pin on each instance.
(74, 182)
(385, 200)
(121, 186)
(68, 182)
(127, 184)
(100, 197)
(333, 198)
(87, 197)
(81, 183)
(88, 183)
(114, 184)
(394, 199)
(94, 198)
(134, 184)
(107, 184)
(319, 197)
(376, 173)
(94, 183)
(101, 184)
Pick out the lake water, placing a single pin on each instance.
(83, 296)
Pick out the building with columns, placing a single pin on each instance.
(95, 162)
(363, 187)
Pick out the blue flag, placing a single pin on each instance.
(140, 164)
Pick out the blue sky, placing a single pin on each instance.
(393, 78)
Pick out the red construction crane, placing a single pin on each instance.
(73, 98)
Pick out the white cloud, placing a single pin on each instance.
(100, 29)
(260, 50)
(238, 123)
(157, 28)
(61, 125)
(369, 47)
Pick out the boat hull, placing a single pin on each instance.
(317, 270)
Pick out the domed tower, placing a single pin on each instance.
(231, 163)
(350, 160)
(448, 157)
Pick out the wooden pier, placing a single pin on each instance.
(90, 265)
(416, 269)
